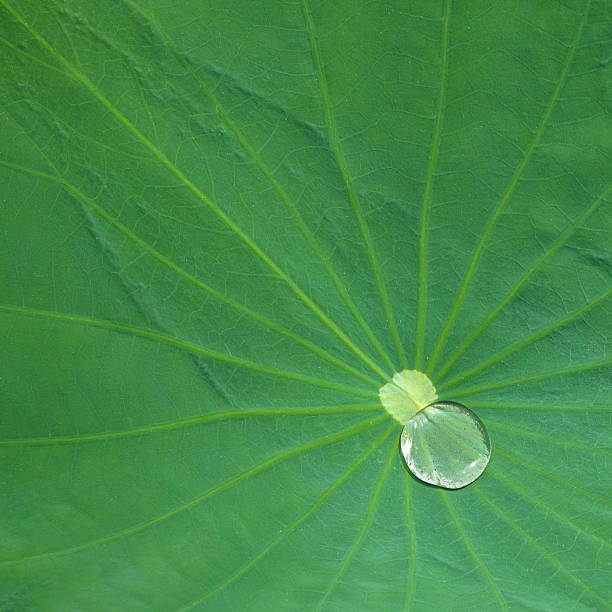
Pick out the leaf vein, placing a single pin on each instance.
(504, 201)
(561, 240)
(528, 379)
(433, 159)
(183, 345)
(527, 341)
(548, 509)
(472, 551)
(197, 192)
(543, 551)
(269, 175)
(335, 145)
(87, 202)
(365, 525)
(197, 420)
(240, 478)
(319, 502)
(536, 469)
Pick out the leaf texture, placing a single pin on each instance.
(225, 225)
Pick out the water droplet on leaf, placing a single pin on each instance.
(446, 444)
(443, 443)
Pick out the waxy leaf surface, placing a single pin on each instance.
(225, 225)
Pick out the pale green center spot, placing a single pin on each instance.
(408, 392)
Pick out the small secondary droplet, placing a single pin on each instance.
(446, 444)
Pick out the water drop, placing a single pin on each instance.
(446, 444)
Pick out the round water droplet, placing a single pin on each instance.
(446, 444)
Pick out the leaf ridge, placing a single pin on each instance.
(535, 544)
(87, 202)
(549, 475)
(413, 553)
(539, 503)
(565, 443)
(527, 379)
(197, 420)
(33, 58)
(290, 205)
(527, 341)
(536, 407)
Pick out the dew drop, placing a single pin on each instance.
(446, 444)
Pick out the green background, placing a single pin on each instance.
(225, 224)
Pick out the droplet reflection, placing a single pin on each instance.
(446, 444)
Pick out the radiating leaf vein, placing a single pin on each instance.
(561, 240)
(365, 526)
(240, 478)
(335, 145)
(287, 531)
(526, 342)
(435, 355)
(198, 193)
(519, 490)
(536, 469)
(543, 551)
(90, 204)
(269, 175)
(472, 551)
(186, 346)
(529, 379)
(433, 158)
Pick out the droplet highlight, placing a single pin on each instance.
(446, 444)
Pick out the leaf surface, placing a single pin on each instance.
(225, 226)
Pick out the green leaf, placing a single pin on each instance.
(225, 225)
